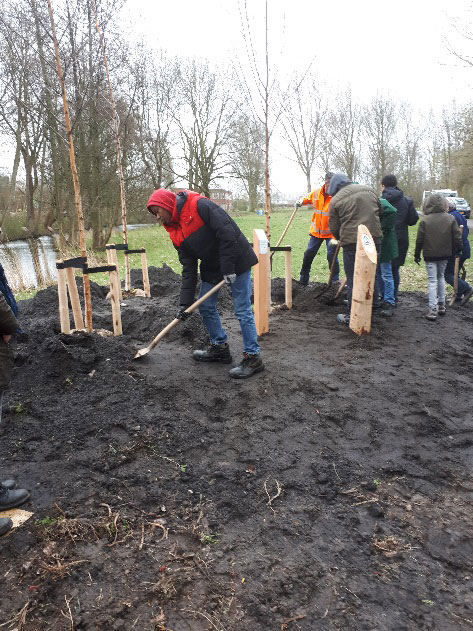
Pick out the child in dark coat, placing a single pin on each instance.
(438, 236)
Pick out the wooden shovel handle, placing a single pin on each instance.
(190, 309)
(285, 230)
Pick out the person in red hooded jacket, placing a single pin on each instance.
(202, 231)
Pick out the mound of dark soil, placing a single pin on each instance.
(332, 491)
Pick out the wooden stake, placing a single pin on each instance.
(112, 259)
(75, 177)
(116, 129)
(62, 297)
(455, 274)
(144, 271)
(115, 300)
(261, 248)
(363, 282)
(288, 274)
(74, 296)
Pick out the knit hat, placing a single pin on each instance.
(164, 199)
(389, 181)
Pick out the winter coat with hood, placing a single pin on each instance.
(352, 205)
(461, 221)
(406, 216)
(8, 326)
(438, 235)
(201, 230)
(389, 249)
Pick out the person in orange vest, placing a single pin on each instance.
(319, 232)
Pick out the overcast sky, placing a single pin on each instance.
(396, 48)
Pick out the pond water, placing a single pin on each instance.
(32, 263)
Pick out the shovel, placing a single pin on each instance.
(284, 231)
(455, 274)
(171, 325)
(332, 269)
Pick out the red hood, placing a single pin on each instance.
(164, 199)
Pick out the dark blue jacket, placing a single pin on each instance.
(406, 216)
(461, 221)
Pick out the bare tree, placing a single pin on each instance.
(379, 129)
(247, 156)
(344, 128)
(304, 110)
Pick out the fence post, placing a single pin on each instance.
(261, 281)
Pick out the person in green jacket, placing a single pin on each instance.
(389, 251)
(9, 496)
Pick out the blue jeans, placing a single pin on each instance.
(396, 277)
(436, 281)
(312, 249)
(349, 253)
(241, 292)
(384, 275)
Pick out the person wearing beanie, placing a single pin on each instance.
(406, 216)
(438, 237)
(319, 232)
(202, 231)
(465, 291)
(351, 205)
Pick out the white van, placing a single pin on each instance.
(446, 192)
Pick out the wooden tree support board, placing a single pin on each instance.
(112, 258)
(261, 281)
(366, 259)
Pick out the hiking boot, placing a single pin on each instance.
(387, 310)
(6, 525)
(442, 309)
(214, 353)
(250, 365)
(431, 315)
(8, 484)
(466, 296)
(10, 498)
(343, 319)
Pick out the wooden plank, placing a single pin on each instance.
(115, 301)
(63, 304)
(144, 271)
(363, 282)
(74, 296)
(288, 278)
(261, 276)
(112, 259)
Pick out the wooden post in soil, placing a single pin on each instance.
(260, 245)
(363, 282)
(112, 259)
(144, 271)
(288, 275)
(75, 177)
(74, 296)
(116, 129)
(114, 280)
(62, 296)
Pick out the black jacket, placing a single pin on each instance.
(219, 244)
(406, 216)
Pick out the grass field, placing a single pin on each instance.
(160, 249)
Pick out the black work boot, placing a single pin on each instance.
(6, 525)
(8, 484)
(11, 498)
(214, 353)
(250, 365)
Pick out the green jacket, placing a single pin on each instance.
(389, 248)
(8, 326)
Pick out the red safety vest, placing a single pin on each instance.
(186, 222)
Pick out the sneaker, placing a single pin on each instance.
(250, 365)
(466, 296)
(342, 318)
(6, 525)
(442, 309)
(11, 498)
(431, 315)
(214, 353)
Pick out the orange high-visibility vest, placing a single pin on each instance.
(319, 226)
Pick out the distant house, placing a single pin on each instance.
(218, 195)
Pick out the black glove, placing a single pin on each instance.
(229, 279)
(417, 259)
(181, 313)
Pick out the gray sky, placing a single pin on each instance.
(394, 48)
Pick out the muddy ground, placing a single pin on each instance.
(332, 491)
